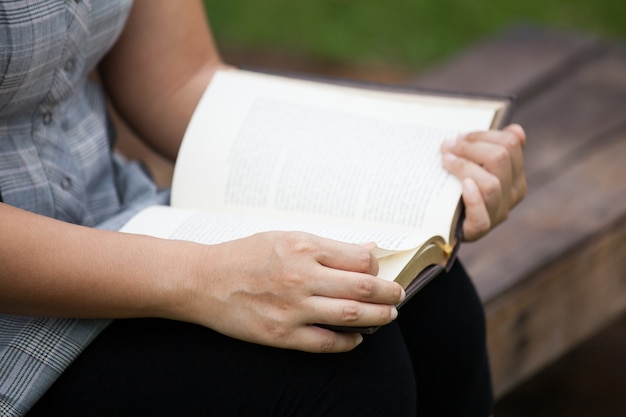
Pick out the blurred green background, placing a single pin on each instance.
(396, 33)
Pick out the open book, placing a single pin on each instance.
(355, 163)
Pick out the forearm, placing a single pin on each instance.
(51, 268)
(268, 288)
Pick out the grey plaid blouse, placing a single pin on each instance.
(56, 160)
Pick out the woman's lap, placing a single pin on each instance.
(161, 367)
(158, 367)
(444, 330)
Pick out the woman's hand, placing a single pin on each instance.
(491, 167)
(271, 288)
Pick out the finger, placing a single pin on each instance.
(512, 140)
(511, 136)
(346, 271)
(346, 256)
(495, 159)
(519, 175)
(350, 313)
(488, 184)
(357, 286)
(477, 219)
(311, 338)
(518, 131)
(485, 150)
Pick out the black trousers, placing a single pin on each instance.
(431, 362)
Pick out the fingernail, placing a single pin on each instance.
(369, 245)
(449, 157)
(448, 144)
(394, 313)
(359, 339)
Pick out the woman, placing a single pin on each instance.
(96, 322)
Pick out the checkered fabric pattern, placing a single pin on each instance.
(56, 160)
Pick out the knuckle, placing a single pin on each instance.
(275, 331)
(491, 188)
(350, 313)
(292, 274)
(366, 287)
(398, 292)
(365, 261)
(501, 155)
(299, 242)
(469, 137)
(276, 319)
(461, 146)
(328, 342)
(387, 315)
(457, 164)
(510, 141)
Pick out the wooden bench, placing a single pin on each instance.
(555, 272)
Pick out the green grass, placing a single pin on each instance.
(409, 34)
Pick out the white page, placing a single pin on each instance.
(242, 159)
(212, 228)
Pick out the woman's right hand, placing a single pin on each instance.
(272, 287)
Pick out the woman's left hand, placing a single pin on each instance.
(490, 165)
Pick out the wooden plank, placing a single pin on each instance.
(566, 119)
(550, 278)
(517, 62)
(565, 125)
(574, 289)
(588, 381)
(560, 308)
(551, 275)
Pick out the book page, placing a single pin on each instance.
(261, 144)
(211, 228)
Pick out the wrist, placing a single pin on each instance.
(179, 281)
